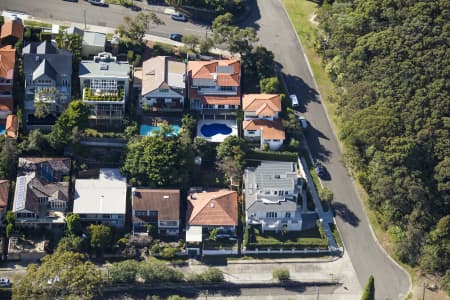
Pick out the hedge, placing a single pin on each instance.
(308, 244)
(277, 156)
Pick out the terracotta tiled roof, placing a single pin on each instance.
(215, 99)
(254, 102)
(214, 207)
(166, 202)
(7, 62)
(14, 28)
(4, 194)
(6, 104)
(271, 130)
(208, 70)
(12, 126)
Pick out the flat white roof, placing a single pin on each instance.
(105, 195)
(194, 233)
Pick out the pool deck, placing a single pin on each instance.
(218, 138)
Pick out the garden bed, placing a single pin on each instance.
(220, 244)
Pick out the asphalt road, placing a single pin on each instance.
(276, 33)
(101, 16)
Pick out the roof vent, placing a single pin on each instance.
(103, 66)
(165, 197)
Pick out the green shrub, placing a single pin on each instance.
(155, 248)
(168, 252)
(246, 235)
(209, 276)
(369, 289)
(281, 274)
(2, 20)
(123, 272)
(130, 55)
(45, 36)
(154, 270)
(9, 230)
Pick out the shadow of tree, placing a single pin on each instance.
(348, 216)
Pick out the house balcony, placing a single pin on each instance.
(214, 91)
(219, 111)
(45, 94)
(163, 106)
(91, 95)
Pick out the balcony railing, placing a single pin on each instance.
(216, 92)
(45, 94)
(96, 95)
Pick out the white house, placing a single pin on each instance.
(261, 119)
(271, 191)
(104, 83)
(163, 85)
(93, 43)
(102, 200)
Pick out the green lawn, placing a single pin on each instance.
(292, 239)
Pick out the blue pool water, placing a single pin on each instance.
(2, 128)
(213, 129)
(148, 129)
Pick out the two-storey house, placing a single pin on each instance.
(48, 75)
(261, 121)
(103, 199)
(42, 191)
(7, 65)
(163, 85)
(271, 191)
(158, 207)
(214, 87)
(104, 83)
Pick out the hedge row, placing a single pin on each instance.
(278, 156)
(321, 244)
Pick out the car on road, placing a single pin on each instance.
(294, 100)
(98, 3)
(178, 17)
(320, 170)
(5, 282)
(175, 37)
(303, 122)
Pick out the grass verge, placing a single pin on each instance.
(336, 235)
(30, 23)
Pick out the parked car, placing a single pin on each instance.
(178, 17)
(5, 282)
(303, 122)
(175, 37)
(98, 3)
(294, 100)
(320, 170)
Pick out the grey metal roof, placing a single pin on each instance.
(272, 175)
(74, 30)
(60, 61)
(44, 69)
(110, 67)
(94, 38)
(46, 47)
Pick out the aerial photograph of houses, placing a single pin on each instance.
(224, 149)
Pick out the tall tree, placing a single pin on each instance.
(100, 237)
(369, 290)
(133, 29)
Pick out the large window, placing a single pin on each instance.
(104, 85)
(271, 214)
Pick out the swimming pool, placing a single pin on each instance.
(2, 128)
(145, 130)
(210, 130)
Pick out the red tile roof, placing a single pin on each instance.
(7, 62)
(271, 130)
(262, 104)
(6, 104)
(208, 70)
(213, 208)
(12, 126)
(4, 194)
(14, 28)
(215, 99)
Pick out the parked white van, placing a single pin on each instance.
(294, 100)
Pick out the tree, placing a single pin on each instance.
(281, 274)
(191, 41)
(9, 230)
(8, 160)
(76, 115)
(123, 272)
(61, 275)
(205, 45)
(133, 30)
(326, 195)
(369, 290)
(436, 251)
(71, 43)
(10, 217)
(41, 109)
(37, 142)
(154, 270)
(73, 223)
(71, 243)
(213, 234)
(270, 85)
(238, 40)
(100, 237)
(231, 156)
(159, 160)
